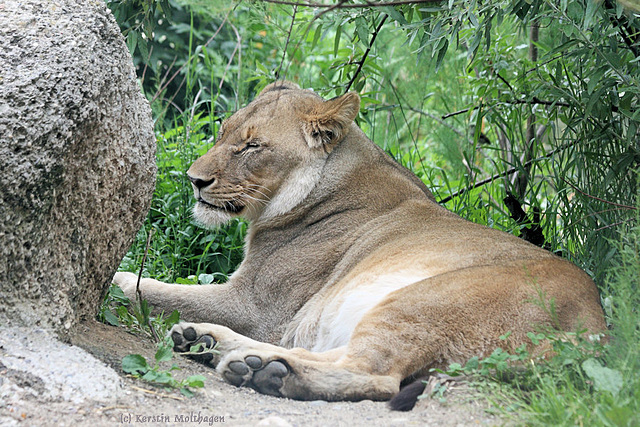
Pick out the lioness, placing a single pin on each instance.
(354, 278)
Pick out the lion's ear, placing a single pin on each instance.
(326, 124)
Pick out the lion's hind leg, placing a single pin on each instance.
(277, 371)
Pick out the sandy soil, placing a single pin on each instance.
(24, 401)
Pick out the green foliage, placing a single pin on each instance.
(118, 310)
(137, 366)
(587, 381)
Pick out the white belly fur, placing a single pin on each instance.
(340, 317)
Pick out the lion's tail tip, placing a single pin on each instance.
(407, 398)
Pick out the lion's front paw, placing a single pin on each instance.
(127, 282)
(253, 371)
(197, 345)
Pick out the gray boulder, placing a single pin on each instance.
(77, 159)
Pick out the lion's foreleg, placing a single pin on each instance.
(198, 303)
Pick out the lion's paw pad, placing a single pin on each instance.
(187, 340)
(252, 372)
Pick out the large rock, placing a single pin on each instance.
(77, 167)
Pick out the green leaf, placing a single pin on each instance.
(362, 29)
(394, 14)
(135, 364)
(195, 381)
(594, 79)
(505, 336)
(164, 353)
(186, 392)
(592, 7)
(604, 379)
(172, 319)
(111, 318)
(116, 292)
(145, 311)
(473, 363)
(316, 36)
(150, 376)
(144, 49)
(162, 377)
(132, 41)
(441, 53)
(206, 279)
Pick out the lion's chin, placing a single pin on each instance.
(210, 216)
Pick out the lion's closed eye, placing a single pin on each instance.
(251, 146)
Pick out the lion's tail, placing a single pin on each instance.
(406, 399)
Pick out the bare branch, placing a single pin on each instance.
(286, 45)
(601, 200)
(505, 82)
(508, 172)
(442, 122)
(366, 53)
(533, 101)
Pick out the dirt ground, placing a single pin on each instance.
(24, 400)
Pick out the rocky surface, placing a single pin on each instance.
(76, 159)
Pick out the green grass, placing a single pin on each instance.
(181, 251)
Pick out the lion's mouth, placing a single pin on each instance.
(230, 206)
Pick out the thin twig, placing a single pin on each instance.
(233, 55)
(366, 53)
(163, 82)
(111, 408)
(144, 390)
(533, 101)
(505, 82)
(286, 45)
(165, 85)
(614, 224)
(138, 292)
(541, 64)
(442, 122)
(146, 64)
(306, 32)
(506, 173)
(601, 200)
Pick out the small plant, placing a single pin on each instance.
(137, 366)
(118, 310)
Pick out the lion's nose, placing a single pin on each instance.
(200, 183)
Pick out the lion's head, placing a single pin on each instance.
(269, 155)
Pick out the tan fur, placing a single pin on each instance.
(354, 278)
